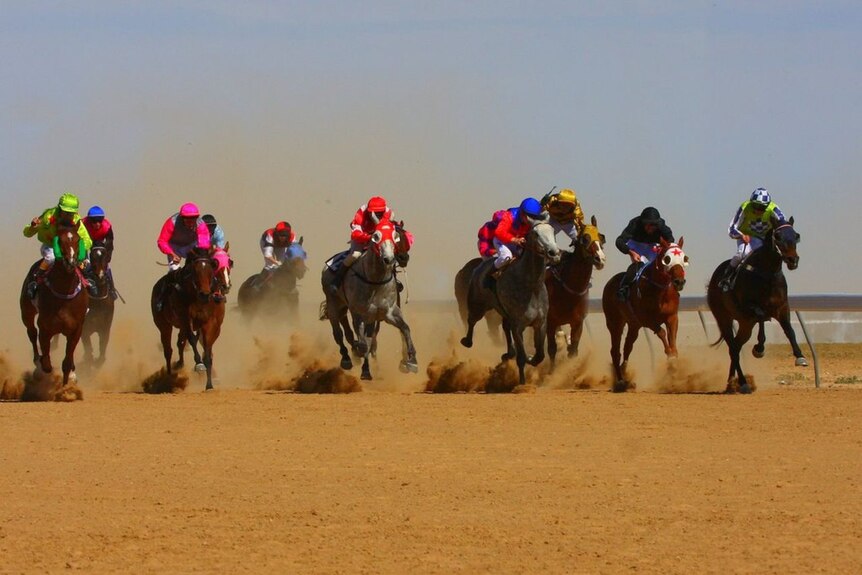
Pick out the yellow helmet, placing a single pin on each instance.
(566, 196)
(68, 203)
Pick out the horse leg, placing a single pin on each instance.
(577, 327)
(742, 336)
(367, 335)
(193, 338)
(520, 353)
(408, 352)
(86, 341)
(167, 349)
(338, 336)
(207, 341)
(181, 349)
(672, 330)
(632, 333)
(758, 349)
(784, 320)
(615, 329)
(552, 344)
(69, 359)
(45, 346)
(540, 330)
(473, 316)
(510, 346)
(104, 337)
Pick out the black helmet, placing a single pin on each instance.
(650, 215)
(210, 221)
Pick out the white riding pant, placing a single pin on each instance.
(743, 250)
(47, 251)
(505, 253)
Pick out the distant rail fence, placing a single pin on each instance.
(819, 303)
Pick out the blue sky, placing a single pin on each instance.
(266, 110)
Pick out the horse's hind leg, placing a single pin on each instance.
(200, 364)
(408, 351)
(758, 349)
(552, 344)
(511, 351)
(167, 349)
(784, 320)
(472, 317)
(367, 335)
(338, 336)
(742, 336)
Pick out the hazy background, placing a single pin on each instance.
(261, 111)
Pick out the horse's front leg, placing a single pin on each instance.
(511, 350)
(672, 330)
(577, 326)
(45, 346)
(200, 364)
(69, 359)
(552, 344)
(408, 352)
(367, 336)
(338, 336)
(742, 336)
(520, 353)
(104, 337)
(86, 341)
(784, 320)
(207, 343)
(759, 348)
(540, 328)
(182, 337)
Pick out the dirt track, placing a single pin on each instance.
(400, 482)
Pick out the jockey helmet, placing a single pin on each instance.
(68, 203)
(650, 215)
(566, 196)
(96, 212)
(282, 227)
(531, 207)
(376, 204)
(210, 221)
(760, 197)
(190, 210)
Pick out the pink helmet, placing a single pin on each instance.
(190, 210)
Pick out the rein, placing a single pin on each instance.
(67, 296)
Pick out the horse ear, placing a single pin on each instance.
(663, 243)
(681, 240)
(790, 221)
(227, 246)
(301, 239)
(594, 221)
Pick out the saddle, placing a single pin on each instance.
(335, 261)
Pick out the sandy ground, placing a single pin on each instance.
(393, 480)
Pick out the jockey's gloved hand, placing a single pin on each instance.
(84, 265)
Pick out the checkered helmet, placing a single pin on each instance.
(761, 196)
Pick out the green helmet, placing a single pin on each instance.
(68, 203)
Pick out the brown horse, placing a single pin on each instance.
(277, 294)
(101, 314)
(568, 285)
(189, 307)
(759, 293)
(462, 289)
(653, 303)
(61, 304)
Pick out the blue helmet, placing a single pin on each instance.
(96, 212)
(531, 207)
(760, 196)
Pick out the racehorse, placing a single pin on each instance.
(369, 293)
(653, 303)
(759, 294)
(190, 307)
(462, 288)
(279, 291)
(61, 303)
(568, 285)
(101, 314)
(519, 295)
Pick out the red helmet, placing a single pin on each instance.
(376, 204)
(282, 227)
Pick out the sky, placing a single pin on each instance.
(263, 111)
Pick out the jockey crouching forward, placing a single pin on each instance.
(640, 240)
(364, 222)
(753, 221)
(44, 227)
(274, 246)
(102, 233)
(566, 213)
(510, 235)
(181, 233)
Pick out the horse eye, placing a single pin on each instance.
(586, 240)
(666, 260)
(376, 237)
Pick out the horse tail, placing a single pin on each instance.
(717, 342)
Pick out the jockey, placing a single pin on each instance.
(754, 219)
(640, 240)
(102, 234)
(565, 211)
(511, 233)
(44, 227)
(362, 226)
(181, 233)
(274, 245)
(219, 246)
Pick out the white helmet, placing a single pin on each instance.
(761, 196)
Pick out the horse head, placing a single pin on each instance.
(99, 261)
(222, 264)
(785, 239)
(672, 262)
(295, 260)
(542, 240)
(67, 245)
(200, 266)
(402, 244)
(590, 242)
(383, 242)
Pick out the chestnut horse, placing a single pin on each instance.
(61, 303)
(189, 307)
(101, 314)
(519, 295)
(568, 285)
(653, 303)
(369, 293)
(278, 293)
(759, 294)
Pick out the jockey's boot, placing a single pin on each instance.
(170, 283)
(38, 279)
(262, 278)
(727, 282)
(625, 284)
(338, 279)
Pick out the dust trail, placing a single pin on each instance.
(40, 386)
(576, 373)
(683, 375)
(305, 373)
(11, 384)
(162, 382)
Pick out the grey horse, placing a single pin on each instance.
(519, 295)
(369, 292)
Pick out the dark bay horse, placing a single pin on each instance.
(101, 314)
(190, 308)
(61, 303)
(279, 293)
(462, 288)
(653, 303)
(568, 285)
(369, 293)
(759, 294)
(519, 296)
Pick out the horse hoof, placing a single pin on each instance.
(73, 377)
(408, 367)
(758, 352)
(468, 343)
(745, 388)
(200, 368)
(507, 356)
(209, 387)
(365, 376)
(801, 362)
(620, 386)
(346, 364)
